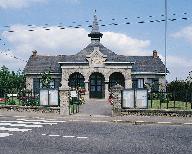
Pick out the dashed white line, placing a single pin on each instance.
(98, 121)
(40, 120)
(68, 136)
(188, 123)
(140, 121)
(164, 122)
(43, 134)
(54, 135)
(19, 116)
(82, 137)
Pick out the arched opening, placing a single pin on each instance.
(116, 78)
(76, 80)
(97, 85)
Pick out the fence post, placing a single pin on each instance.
(174, 99)
(186, 99)
(64, 101)
(151, 100)
(191, 100)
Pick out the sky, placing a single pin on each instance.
(134, 39)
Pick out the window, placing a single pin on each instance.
(51, 84)
(140, 83)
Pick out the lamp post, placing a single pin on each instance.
(165, 44)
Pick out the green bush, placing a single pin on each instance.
(11, 102)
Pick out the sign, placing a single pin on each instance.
(73, 93)
(128, 98)
(49, 97)
(44, 97)
(53, 97)
(134, 98)
(141, 98)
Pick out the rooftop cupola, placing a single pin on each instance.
(95, 34)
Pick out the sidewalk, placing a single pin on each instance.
(100, 111)
(130, 119)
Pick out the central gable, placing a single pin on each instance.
(96, 58)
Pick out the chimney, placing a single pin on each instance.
(34, 53)
(155, 54)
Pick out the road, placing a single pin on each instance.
(24, 135)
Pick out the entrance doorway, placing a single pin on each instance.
(97, 86)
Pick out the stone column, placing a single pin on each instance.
(106, 90)
(87, 90)
(64, 101)
(162, 83)
(29, 82)
(128, 83)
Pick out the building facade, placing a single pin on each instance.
(95, 68)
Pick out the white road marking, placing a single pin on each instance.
(43, 134)
(82, 137)
(40, 120)
(188, 123)
(19, 125)
(5, 134)
(68, 136)
(140, 121)
(28, 122)
(54, 135)
(98, 121)
(14, 129)
(117, 120)
(19, 116)
(164, 122)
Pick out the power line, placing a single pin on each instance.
(47, 27)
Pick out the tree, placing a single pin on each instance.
(46, 79)
(11, 82)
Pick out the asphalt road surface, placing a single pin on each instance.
(22, 135)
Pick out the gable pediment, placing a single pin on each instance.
(96, 58)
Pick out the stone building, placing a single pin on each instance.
(95, 68)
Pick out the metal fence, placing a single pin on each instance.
(23, 98)
(174, 100)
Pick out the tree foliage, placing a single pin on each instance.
(46, 79)
(10, 81)
(181, 89)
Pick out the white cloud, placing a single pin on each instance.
(18, 3)
(125, 45)
(185, 33)
(179, 67)
(69, 41)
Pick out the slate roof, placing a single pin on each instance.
(39, 64)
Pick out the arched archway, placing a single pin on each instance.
(76, 80)
(116, 78)
(96, 85)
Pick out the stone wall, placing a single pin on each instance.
(30, 109)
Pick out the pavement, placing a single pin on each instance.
(100, 111)
(93, 130)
